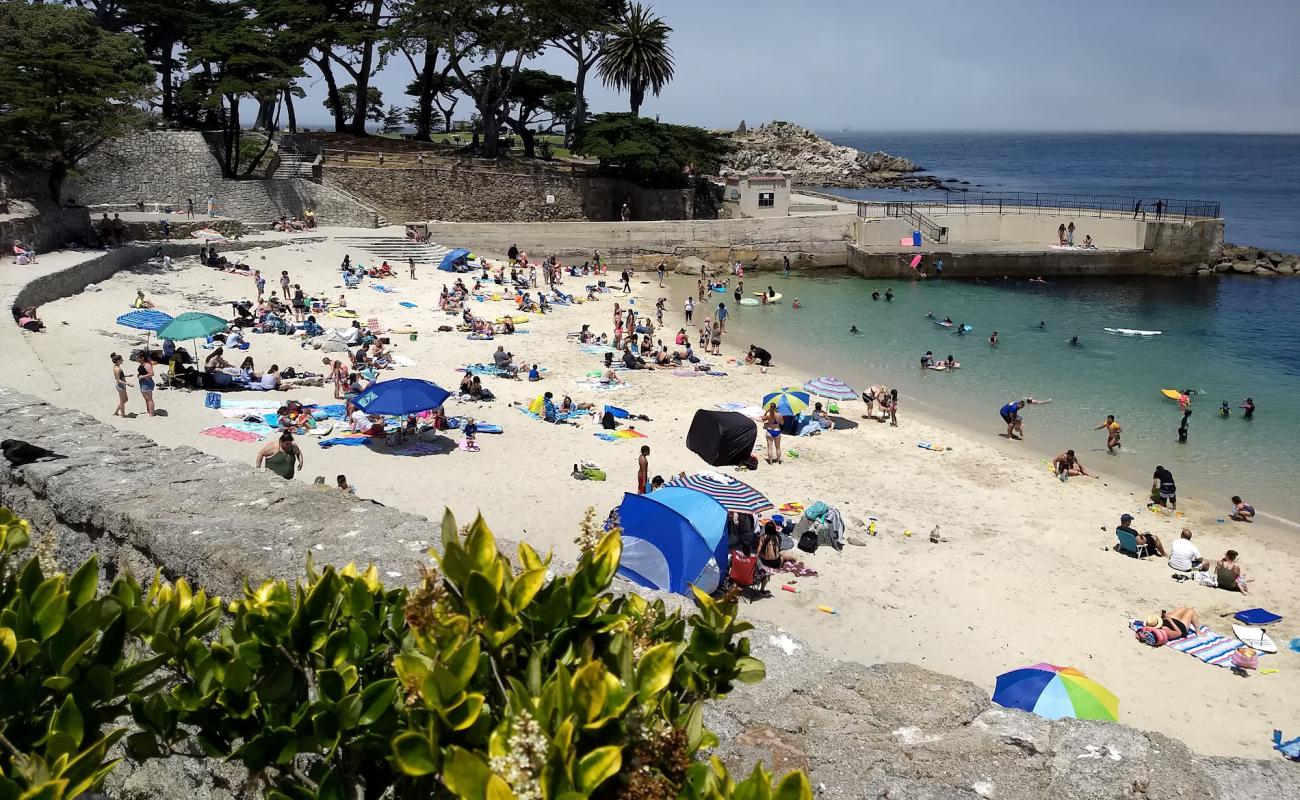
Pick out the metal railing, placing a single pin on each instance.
(1099, 205)
(908, 211)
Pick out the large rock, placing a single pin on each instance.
(811, 160)
(1243, 267)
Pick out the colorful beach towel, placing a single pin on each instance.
(614, 436)
(226, 432)
(575, 413)
(259, 428)
(1208, 646)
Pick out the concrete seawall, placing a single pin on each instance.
(992, 263)
(887, 730)
(809, 241)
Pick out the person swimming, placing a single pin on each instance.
(1224, 411)
(1042, 324)
(929, 315)
(889, 294)
(994, 338)
(947, 320)
(927, 360)
(950, 361)
(1074, 340)
(854, 329)
(961, 329)
(875, 295)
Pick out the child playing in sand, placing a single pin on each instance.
(471, 431)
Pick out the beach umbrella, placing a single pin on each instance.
(145, 319)
(730, 493)
(192, 325)
(1055, 692)
(401, 396)
(830, 388)
(788, 401)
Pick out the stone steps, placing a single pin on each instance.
(397, 250)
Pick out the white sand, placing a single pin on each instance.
(1024, 577)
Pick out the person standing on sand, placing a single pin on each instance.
(626, 279)
(772, 422)
(690, 309)
(1162, 483)
(411, 262)
(144, 379)
(663, 269)
(284, 283)
(643, 469)
(892, 408)
(189, 207)
(259, 281)
(1069, 234)
(119, 383)
(1113, 430)
(1060, 234)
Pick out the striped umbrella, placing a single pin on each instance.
(730, 493)
(1055, 692)
(788, 401)
(830, 388)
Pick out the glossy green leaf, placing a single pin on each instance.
(466, 774)
(597, 766)
(414, 753)
(480, 594)
(464, 713)
(331, 788)
(751, 670)
(794, 786)
(84, 582)
(655, 670)
(8, 646)
(376, 699)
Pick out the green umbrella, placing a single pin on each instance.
(192, 325)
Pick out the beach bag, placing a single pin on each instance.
(808, 541)
(1245, 657)
(607, 422)
(593, 473)
(1154, 637)
(744, 569)
(212, 400)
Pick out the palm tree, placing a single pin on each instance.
(636, 55)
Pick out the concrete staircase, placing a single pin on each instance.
(294, 165)
(397, 251)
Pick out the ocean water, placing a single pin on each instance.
(1228, 337)
(1255, 177)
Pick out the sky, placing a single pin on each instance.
(1106, 65)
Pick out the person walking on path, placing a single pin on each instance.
(1160, 208)
(280, 456)
(1060, 234)
(1137, 208)
(119, 382)
(643, 469)
(212, 206)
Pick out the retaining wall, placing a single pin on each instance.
(1050, 263)
(810, 241)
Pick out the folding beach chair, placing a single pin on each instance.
(1128, 545)
(748, 575)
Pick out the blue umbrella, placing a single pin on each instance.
(145, 319)
(401, 396)
(449, 261)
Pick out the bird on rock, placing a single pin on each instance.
(17, 452)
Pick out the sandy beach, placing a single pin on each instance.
(1025, 573)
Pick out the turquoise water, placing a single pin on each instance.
(1228, 337)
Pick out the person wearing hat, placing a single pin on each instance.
(1153, 543)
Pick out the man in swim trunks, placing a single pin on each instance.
(1113, 430)
(1067, 465)
(1162, 480)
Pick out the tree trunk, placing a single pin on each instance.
(635, 97)
(166, 64)
(232, 132)
(580, 104)
(332, 91)
(288, 106)
(491, 141)
(265, 108)
(358, 126)
(54, 181)
(424, 113)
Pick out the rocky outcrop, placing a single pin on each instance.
(881, 731)
(808, 159)
(1248, 260)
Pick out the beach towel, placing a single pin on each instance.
(259, 428)
(577, 412)
(1290, 750)
(614, 436)
(379, 287)
(407, 304)
(403, 361)
(1208, 646)
(345, 441)
(227, 432)
(333, 411)
(730, 406)
(688, 373)
(601, 386)
(254, 403)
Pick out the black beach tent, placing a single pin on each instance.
(722, 438)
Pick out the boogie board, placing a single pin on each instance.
(942, 324)
(1255, 637)
(748, 301)
(1130, 332)
(771, 298)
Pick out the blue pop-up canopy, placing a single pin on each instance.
(449, 261)
(672, 538)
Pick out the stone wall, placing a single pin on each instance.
(880, 731)
(1054, 263)
(461, 192)
(810, 241)
(168, 167)
(36, 220)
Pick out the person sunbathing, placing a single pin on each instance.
(1180, 622)
(216, 360)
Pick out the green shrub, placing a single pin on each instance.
(487, 681)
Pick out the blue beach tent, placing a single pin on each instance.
(449, 261)
(673, 537)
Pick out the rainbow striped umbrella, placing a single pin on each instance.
(1056, 692)
(730, 493)
(830, 388)
(788, 401)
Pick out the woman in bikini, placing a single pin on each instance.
(144, 380)
(119, 383)
(772, 425)
(1180, 622)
